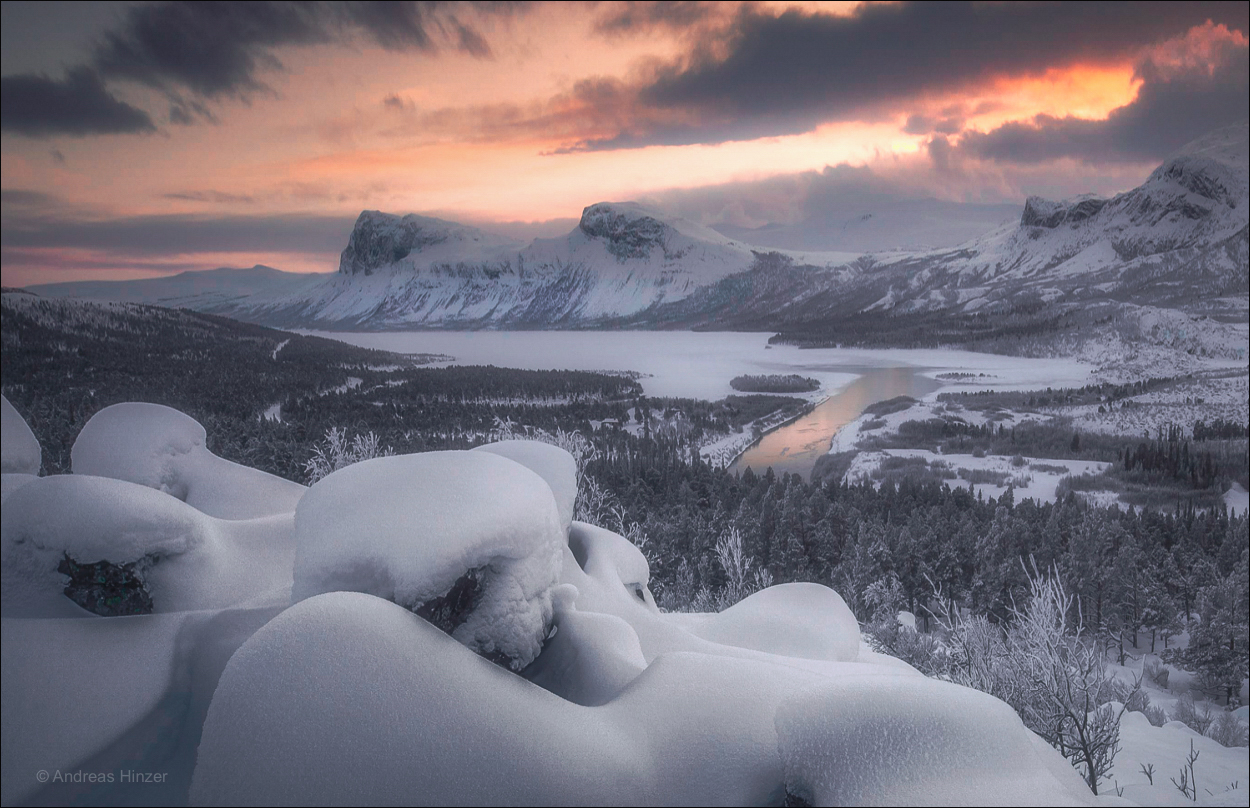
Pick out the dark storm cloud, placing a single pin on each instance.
(40, 259)
(211, 49)
(788, 73)
(1171, 109)
(22, 197)
(220, 49)
(78, 105)
(216, 197)
(641, 18)
(175, 234)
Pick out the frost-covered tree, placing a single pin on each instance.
(335, 452)
(742, 575)
(1064, 682)
(1046, 667)
(1218, 639)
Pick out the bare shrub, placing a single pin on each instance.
(1156, 715)
(1047, 670)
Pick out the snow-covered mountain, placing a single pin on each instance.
(621, 261)
(1182, 232)
(1180, 237)
(1176, 241)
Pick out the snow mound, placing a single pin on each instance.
(409, 528)
(613, 560)
(552, 463)
(346, 698)
(162, 448)
(803, 620)
(187, 560)
(70, 687)
(592, 656)
(19, 450)
(916, 741)
(11, 482)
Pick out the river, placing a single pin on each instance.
(796, 446)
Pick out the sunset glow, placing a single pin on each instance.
(553, 108)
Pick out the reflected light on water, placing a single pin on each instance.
(795, 447)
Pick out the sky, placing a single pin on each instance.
(142, 139)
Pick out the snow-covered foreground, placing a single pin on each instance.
(296, 657)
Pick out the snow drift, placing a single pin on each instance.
(187, 560)
(297, 657)
(162, 448)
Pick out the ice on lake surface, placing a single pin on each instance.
(691, 364)
(701, 364)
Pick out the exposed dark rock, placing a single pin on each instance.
(379, 239)
(627, 236)
(107, 589)
(1040, 212)
(446, 613)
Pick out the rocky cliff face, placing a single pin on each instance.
(627, 231)
(381, 240)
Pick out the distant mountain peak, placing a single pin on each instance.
(630, 230)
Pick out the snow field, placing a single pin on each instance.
(1037, 479)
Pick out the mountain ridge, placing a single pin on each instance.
(1180, 236)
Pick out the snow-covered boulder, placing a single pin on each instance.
(11, 482)
(591, 658)
(19, 449)
(162, 448)
(73, 687)
(916, 741)
(472, 533)
(803, 625)
(802, 620)
(553, 464)
(346, 698)
(86, 692)
(185, 559)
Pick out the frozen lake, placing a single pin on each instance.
(692, 364)
(689, 364)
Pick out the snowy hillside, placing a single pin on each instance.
(1187, 221)
(214, 290)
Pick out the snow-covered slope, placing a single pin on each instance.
(213, 290)
(1184, 227)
